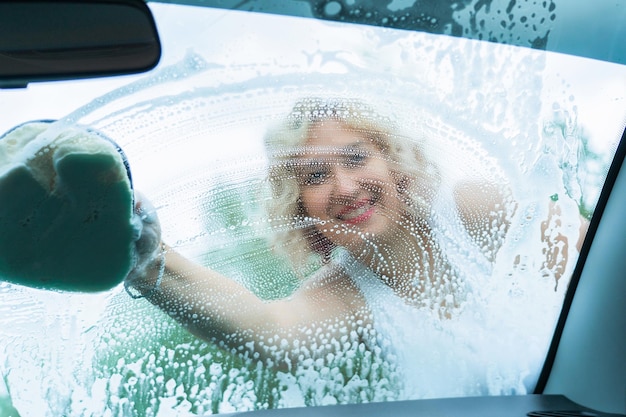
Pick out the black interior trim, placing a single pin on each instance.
(494, 406)
(607, 188)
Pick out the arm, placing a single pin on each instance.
(218, 309)
(486, 210)
(214, 307)
(556, 243)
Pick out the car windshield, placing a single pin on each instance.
(407, 207)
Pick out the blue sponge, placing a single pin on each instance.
(66, 205)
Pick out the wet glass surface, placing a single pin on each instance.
(386, 215)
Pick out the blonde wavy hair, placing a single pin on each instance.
(294, 233)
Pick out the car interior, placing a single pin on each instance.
(528, 96)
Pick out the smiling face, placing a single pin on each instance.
(347, 184)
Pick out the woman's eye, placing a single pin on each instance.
(356, 158)
(316, 177)
(315, 174)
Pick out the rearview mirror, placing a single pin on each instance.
(49, 40)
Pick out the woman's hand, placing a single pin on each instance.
(147, 273)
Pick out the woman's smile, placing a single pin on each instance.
(358, 212)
